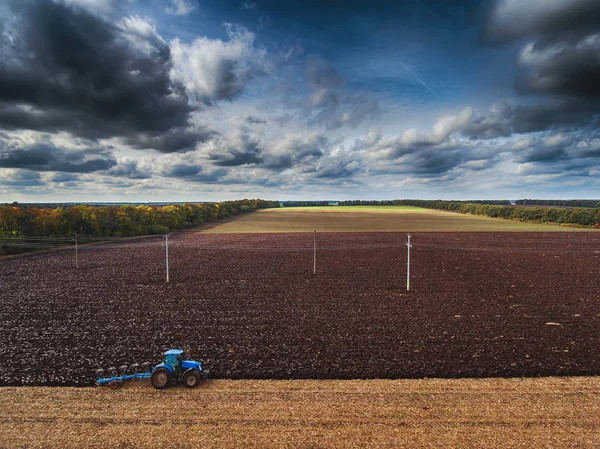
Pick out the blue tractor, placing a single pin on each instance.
(176, 369)
(173, 369)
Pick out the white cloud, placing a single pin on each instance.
(373, 137)
(478, 164)
(212, 69)
(142, 34)
(101, 6)
(557, 140)
(450, 124)
(519, 145)
(180, 7)
(412, 140)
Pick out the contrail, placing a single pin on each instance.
(421, 81)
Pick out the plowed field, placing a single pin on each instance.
(482, 304)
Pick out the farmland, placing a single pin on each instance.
(499, 304)
(481, 305)
(368, 219)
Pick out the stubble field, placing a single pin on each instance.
(428, 413)
(369, 219)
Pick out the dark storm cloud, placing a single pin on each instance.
(235, 158)
(253, 120)
(564, 69)
(64, 177)
(542, 154)
(425, 163)
(554, 19)
(182, 170)
(170, 142)
(69, 70)
(193, 173)
(241, 150)
(47, 157)
(507, 118)
(564, 55)
(284, 152)
(431, 161)
(435, 162)
(561, 61)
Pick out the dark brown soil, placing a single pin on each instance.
(482, 304)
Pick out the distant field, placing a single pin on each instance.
(368, 219)
(430, 413)
(389, 209)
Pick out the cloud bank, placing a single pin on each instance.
(108, 94)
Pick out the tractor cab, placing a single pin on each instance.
(173, 358)
(176, 369)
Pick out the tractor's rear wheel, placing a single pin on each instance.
(161, 378)
(191, 379)
(114, 384)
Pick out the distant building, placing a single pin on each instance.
(334, 203)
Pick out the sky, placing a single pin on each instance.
(210, 100)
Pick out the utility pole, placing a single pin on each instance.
(315, 253)
(409, 246)
(76, 251)
(167, 254)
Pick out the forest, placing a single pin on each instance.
(560, 203)
(304, 203)
(23, 228)
(579, 217)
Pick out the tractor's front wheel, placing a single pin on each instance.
(192, 378)
(161, 378)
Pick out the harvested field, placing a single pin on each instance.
(369, 219)
(482, 305)
(430, 413)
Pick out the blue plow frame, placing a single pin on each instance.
(120, 379)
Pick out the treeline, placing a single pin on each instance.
(403, 202)
(561, 203)
(100, 204)
(304, 203)
(580, 217)
(33, 227)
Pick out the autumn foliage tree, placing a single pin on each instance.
(113, 221)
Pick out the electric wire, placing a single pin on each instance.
(501, 245)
